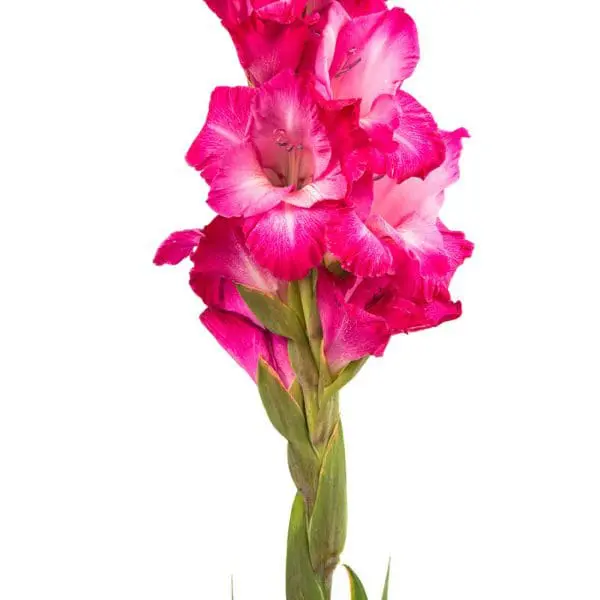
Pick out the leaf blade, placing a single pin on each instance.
(301, 580)
(357, 589)
(386, 586)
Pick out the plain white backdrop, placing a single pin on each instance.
(135, 458)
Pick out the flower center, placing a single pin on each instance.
(294, 164)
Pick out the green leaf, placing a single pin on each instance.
(386, 587)
(345, 376)
(301, 580)
(357, 589)
(284, 413)
(328, 522)
(273, 313)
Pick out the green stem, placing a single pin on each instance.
(318, 522)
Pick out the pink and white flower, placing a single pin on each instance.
(372, 236)
(324, 154)
(365, 60)
(268, 158)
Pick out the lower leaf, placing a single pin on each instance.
(301, 580)
(357, 589)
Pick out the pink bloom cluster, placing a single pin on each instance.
(322, 160)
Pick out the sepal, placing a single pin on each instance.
(273, 313)
(345, 376)
(283, 411)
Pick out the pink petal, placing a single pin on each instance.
(177, 246)
(282, 11)
(331, 186)
(230, 11)
(349, 332)
(289, 241)
(222, 254)
(334, 19)
(226, 128)
(266, 48)
(357, 8)
(448, 173)
(246, 342)
(424, 198)
(362, 248)
(241, 187)
(281, 359)
(400, 301)
(286, 121)
(407, 134)
(374, 55)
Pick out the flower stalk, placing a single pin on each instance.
(307, 415)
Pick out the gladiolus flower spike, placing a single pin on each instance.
(327, 178)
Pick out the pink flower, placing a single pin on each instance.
(388, 221)
(364, 61)
(220, 261)
(323, 154)
(268, 158)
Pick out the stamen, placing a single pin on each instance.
(349, 62)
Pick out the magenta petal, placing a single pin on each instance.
(406, 133)
(420, 145)
(281, 359)
(226, 128)
(177, 246)
(349, 332)
(281, 11)
(222, 254)
(243, 340)
(266, 48)
(288, 241)
(241, 187)
(332, 23)
(374, 55)
(361, 249)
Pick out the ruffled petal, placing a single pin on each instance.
(177, 246)
(349, 332)
(362, 248)
(226, 128)
(374, 55)
(241, 187)
(288, 241)
(222, 254)
(407, 134)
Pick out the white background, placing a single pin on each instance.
(135, 458)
